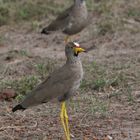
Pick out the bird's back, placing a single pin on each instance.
(64, 80)
(70, 21)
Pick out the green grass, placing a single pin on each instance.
(17, 11)
(90, 5)
(22, 86)
(100, 78)
(2, 39)
(104, 83)
(44, 68)
(133, 12)
(4, 14)
(23, 52)
(94, 105)
(41, 69)
(14, 54)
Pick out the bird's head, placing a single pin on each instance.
(73, 49)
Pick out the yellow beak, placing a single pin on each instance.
(78, 50)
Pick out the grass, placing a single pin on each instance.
(17, 11)
(113, 17)
(104, 7)
(41, 70)
(23, 52)
(39, 10)
(90, 5)
(102, 84)
(14, 54)
(22, 86)
(94, 105)
(110, 84)
(4, 14)
(99, 78)
(2, 39)
(133, 12)
(35, 25)
(36, 11)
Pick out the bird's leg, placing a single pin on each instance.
(62, 116)
(75, 37)
(66, 121)
(67, 39)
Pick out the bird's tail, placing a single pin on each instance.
(18, 107)
(45, 31)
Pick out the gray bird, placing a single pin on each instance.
(61, 84)
(70, 21)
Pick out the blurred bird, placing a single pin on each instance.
(61, 84)
(71, 21)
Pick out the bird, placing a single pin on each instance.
(60, 84)
(71, 21)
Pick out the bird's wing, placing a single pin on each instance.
(65, 13)
(57, 84)
(60, 21)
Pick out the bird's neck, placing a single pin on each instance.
(73, 59)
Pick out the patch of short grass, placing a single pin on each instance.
(4, 14)
(100, 78)
(104, 7)
(17, 11)
(2, 39)
(22, 86)
(90, 5)
(37, 10)
(89, 104)
(105, 26)
(24, 83)
(23, 52)
(14, 54)
(133, 12)
(35, 25)
(43, 69)
(103, 84)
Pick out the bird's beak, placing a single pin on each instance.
(78, 50)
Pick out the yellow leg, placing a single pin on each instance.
(64, 119)
(67, 39)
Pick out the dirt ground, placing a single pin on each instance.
(111, 115)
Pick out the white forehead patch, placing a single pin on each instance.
(76, 44)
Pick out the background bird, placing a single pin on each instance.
(61, 84)
(71, 21)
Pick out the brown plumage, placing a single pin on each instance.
(61, 84)
(70, 21)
